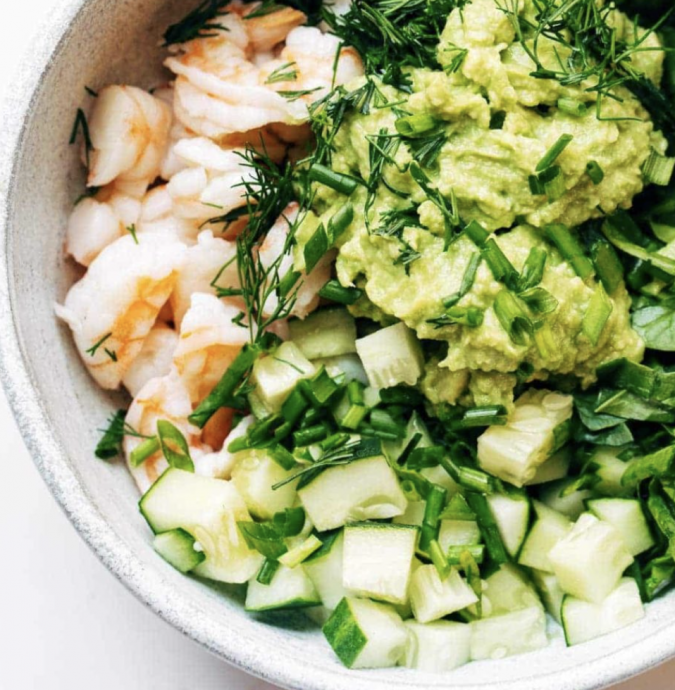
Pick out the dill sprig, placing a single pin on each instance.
(589, 51)
(200, 23)
(392, 35)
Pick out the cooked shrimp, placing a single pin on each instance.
(98, 221)
(220, 463)
(269, 29)
(275, 248)
(157, 217)
(223, 87)
(129, 130)
(209, 258)
(209, 342)
(112, 309)
(154, 360)
(161, 398)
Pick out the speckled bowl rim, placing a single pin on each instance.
(146, 585)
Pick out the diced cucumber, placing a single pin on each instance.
(550, 592)
(556, 467)
(508, 590)
(324, 568)
(413, 515)
(366, 489)
(318, 614)
(290, 589)
(437, 475)
(365, 634)
(590, 559)
(512, 515)
(629, 520)
(537, 428)
(584, 621)
(610, 470)
(437, 647)
(276, 375)
(348, 366)
(209, 510)
(391, 356)
(254, 474)
(377, 560)
(458, 533)
(325, 333)
(433, 598)
(571, 505)
(548, 529)
(415, 428)
(177, 548)
(512, 633)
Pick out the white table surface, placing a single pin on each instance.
(65, 623)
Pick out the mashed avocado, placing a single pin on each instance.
(493, 123)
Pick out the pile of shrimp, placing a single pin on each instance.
(146, 315)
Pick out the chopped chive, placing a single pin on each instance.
(283, 457)
(471, 317)
(223, 395)
(431, 520)
(381, 420)
(110, 444)
(488, 527)
(539, 300)
(143, 451)
(536, 186)
(315, 248)
(438, 559)
(596, 316)
(498, 119)
(288, 283)
(607, 265)
(477, 233)
(658, 169)
(302, 552)
(513, 317)
(544, 340)
(483, 416)
(570, 248)
(502, 269)
(415, 125)
(294, 406)
(595, 172)
(311, 435)
(174, 446)
(340, 222)
(554, 152)
(533, 269)
(267, 571)
(555, 188)
(454, 553)
(570, 106)
(467, 281)
(320, 388)
(345, 184)
(335, 292)
(334, 441)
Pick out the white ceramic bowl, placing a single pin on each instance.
(94, 43)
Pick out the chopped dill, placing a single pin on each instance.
(286, 72)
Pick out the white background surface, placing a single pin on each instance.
(65, 623)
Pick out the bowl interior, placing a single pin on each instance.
(59, 408)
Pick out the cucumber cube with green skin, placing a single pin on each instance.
(366, 489)
(509, 590)
(538, 427)
(610, 469)
(433, 598)
(290, 589)
(177, 548)
(325, 333)
(348, 366)
(458, 533)
(512, 515)
(550, 592)
(324, 568)
(629, 520)
(377, 560)
(391, 356)
(437, 475)
(437, 647)
(572, 505)
(584, 621)
(365, 634)
(276, 375)
(590, 559)
(548, 529)
(254, 474)
(510, 634)
(208, 509)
